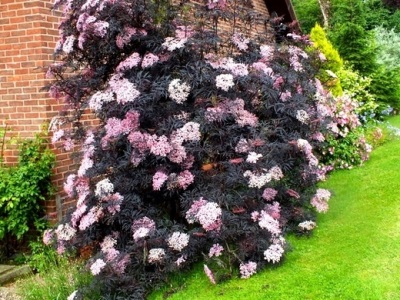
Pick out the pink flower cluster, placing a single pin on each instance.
(217, 4)
(320, 200)
(247, 269)
(240, 41)
(130, 62)
(215, 250)
(124, 90)
(209, 274)
(305, 147)
(149, 60)
(93, 216)
(269, 194)
(142, 228)
(227, 64)
(233, 108)
(266, 221)
(295, 54)
(116, 127)
(126, 35)
(208, 214)
(307, 225)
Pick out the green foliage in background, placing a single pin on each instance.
(332, 63)
(308, 13)
(22, 187)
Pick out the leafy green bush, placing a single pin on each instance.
(22, 187)
(358, 88)
(331, 61)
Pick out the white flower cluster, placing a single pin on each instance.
(273, 253)
(224, 81)
(68, 45)
(189, 132)
(257, 180)
(307, 225)
(97, 266)
(99, 98)
(253, 157)
(302, 116)
(65, 232)
(104, 187)
(156, 255)
(178, 241)
(172, 44)
(178, 91)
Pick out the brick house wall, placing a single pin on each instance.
(28, 34)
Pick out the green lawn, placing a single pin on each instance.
(354, 252)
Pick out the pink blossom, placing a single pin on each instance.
(208, 214)
(269, 194)
(274, 210)
(242, 146)
(189, 132)
(307, 225)
(240, 41)
(65, 232)
(276, 173)
(285, 96)
(68, 144)
(57, 135)
(68, 45)
(184, 179)
(138, 141)
(260, 66)
(266, 221)
(100, 28)
(142, 228)
(278, 83)
(86, 164)
(119, 265)
(257, 180)
(125, 36)
(267, 52)
(149, 60)
(113, 202)
(69, 185)
(180, 260)
(124, 90)
(158, 180)
(209, 274)
(216, 250)
(98, 99)
(160, 146)
(178, 153)
(248, 269)
(93, 216)
(77, 214)
(183, 32)
(320, 200)
(48, 236)
(130, 62)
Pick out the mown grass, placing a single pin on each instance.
(352, 254)
(56, 283)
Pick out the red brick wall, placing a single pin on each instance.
(28, 33)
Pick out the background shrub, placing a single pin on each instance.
(22, 190)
